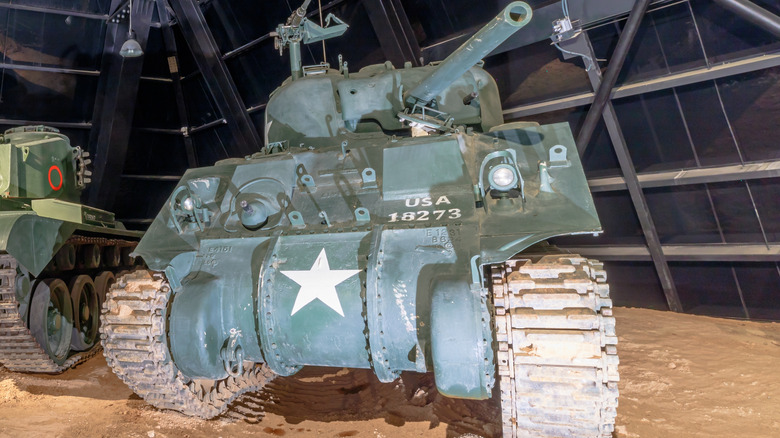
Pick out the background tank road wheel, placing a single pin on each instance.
(51, 318)
(86, 312)
(127, 259)
(102, 283)
(89, 256)
(112, 256)
(66, 257)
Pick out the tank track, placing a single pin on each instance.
(557, 356)
(19, 350)
(133, 335)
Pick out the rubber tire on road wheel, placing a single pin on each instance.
(127, 259)
(52, 292)
(85, 298)
(102, 283)
(66, 257)
(89, 256)
(112, 256)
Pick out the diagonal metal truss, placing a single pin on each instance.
(394, 31)
(654, 251)
(217, 76)
(115, 104)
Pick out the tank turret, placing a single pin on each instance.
(57, 256)
(328, 105)
(392, 222)
(39, 162)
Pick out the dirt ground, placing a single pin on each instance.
(681, 375)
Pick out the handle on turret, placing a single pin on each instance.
(510, 20)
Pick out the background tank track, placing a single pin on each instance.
(19, 350)
(557, 358)
(133, 327)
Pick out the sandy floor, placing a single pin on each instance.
(682, 375)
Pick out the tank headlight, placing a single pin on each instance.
(503, 178)
(187, 204)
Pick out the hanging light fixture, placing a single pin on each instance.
(131, 48)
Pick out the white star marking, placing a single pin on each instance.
(319, 283)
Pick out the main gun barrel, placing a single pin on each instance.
(514, 16)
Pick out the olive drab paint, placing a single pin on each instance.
(41, 180)
(372, 241)
(57, 256)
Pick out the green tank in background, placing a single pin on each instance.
(392, 222)
(57, 257)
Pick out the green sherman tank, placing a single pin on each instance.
(57, 257)
(392, 222)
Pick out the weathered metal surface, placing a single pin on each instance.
(557, 355)
(136, 350)
(45, 325)
(19, 349)
(359, 236)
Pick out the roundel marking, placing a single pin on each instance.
(51, 169)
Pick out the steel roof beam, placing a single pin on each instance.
(753, 13)
(217, 76)
(47, 10)
(699, 252)
(582, 45)
(662, 83)
(169, 41)
(588, 12)
(169, 178)
(115, 105)
(65, 70)
(394, 31)
(680, 177)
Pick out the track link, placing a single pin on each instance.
(133, 335)
(19, 350)
(557, 356)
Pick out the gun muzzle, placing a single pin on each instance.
(510, 20)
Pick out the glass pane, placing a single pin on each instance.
(33, 38)
(234, 24)
(536, 73)
(87, 6)
(155, 56)
(654, 131)
(155, 154)
(635, 284)
(187, 65)
(707, 289)
(200, 105)
(439, 19)
(35, 95)
(766, 193)
(677, 37)
(682, 214)
(752, 106)
(735, 212)
(212, 145)
(258, 72)
(139, 199)
(156, 106)
(707, 124)
(760, 283)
